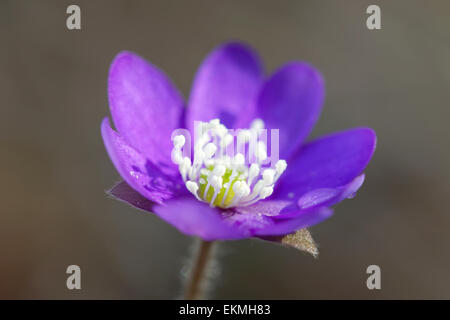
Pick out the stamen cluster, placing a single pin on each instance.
(224, 180)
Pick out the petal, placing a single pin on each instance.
(291, 101)
(330, 196)
(145, 106)
(142, 175)
(274, 217)
(305, 219)
(330, 162)
(196, 218)
(270, 207)
(322, 197)
(225, 86)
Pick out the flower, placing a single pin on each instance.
(228, 199)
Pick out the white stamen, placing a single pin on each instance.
(261, 152)
(193, 188)
(239, 160)
(179, 141)
(199, 156)
(184, 167)
(265, 192)
(253, 173)
(214, 122)
(280, 167)
(228, 139)
(177, 156)
(219, 170)
(210, 149)
(257, 124)
(268, 176)
(240, 189)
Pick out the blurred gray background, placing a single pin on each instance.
(54, 168)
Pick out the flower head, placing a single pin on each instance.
(214, 194)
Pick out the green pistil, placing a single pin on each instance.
(218, 201)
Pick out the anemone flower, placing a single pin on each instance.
(215, 196)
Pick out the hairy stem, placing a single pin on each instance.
(198, 272)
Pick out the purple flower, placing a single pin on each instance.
(218, 201)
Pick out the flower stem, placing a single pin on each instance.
(198, 272)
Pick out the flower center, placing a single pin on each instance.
(221, 177)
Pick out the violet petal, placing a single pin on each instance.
(285, 226)
(138, 171)
(225, 87)
(196, 218)
(262, 218)
(291, 101)
(145, 106)
(330, 196)
(329, 162)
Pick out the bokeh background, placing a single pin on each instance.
(54, 168)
